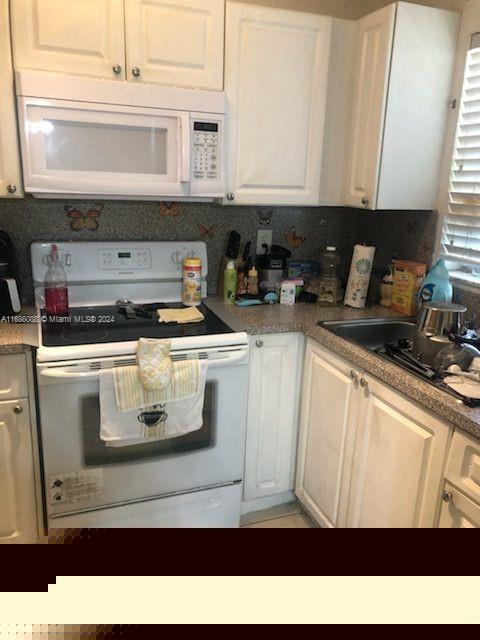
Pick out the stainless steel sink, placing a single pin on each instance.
(372, 333)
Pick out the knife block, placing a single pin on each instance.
(223, 265)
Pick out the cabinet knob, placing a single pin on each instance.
(12, 188)
(364, 383)
(117, 69)
(259, 344)
(18, 409)
(230, 196)
(136, 72)
(354, 375)
(365, 201)
(447, 496)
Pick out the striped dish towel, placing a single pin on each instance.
(130, 394)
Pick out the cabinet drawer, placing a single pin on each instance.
(463, 469)
(459, 512)
(13, 377)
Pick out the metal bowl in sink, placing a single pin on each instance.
(371, 333)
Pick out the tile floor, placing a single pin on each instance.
(285, 516)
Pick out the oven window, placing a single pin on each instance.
(98, 147)
(95, 452)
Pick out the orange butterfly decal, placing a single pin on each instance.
(293, 239)
(81, 221)
(171, 209)
(207, 232)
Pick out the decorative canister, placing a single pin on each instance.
(192, 282)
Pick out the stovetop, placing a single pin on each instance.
(104, 324)
(399, 353)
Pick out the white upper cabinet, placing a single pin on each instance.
(403, 71)
(372, 66)
(84, 37)
(276, 73)
(398, 465)
(176, 42)
(10, 174)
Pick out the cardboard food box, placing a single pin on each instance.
(407, 279)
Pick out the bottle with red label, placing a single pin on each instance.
(56, 291)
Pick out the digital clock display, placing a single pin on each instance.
(206, 126)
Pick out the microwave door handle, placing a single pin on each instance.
(13, 294)
(184, 148)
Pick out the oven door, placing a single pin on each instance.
(82, 473)
(85, 148)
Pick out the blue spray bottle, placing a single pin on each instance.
(437, 286)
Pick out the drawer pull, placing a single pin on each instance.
(447, 496)
(18, 409)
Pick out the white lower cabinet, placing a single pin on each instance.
(21, 517)
(18, 512)
(275, 369)
(329, 409)
(368, 457)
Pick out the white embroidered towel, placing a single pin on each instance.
(170, 419)
(131, 394)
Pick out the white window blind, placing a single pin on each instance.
(461, 231)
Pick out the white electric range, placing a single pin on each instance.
(190, 481)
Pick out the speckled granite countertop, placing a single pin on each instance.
(304, 318)
(17, 337)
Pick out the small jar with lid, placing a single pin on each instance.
(192, 282)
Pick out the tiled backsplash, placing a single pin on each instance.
(406, 234)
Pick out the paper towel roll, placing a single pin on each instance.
(359, 278)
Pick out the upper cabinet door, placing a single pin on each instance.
(84, 37)
(372, 68)
(276, 73)
(398, 465)
(10, 175)
(176, 42)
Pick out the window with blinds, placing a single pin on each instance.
(461, 231)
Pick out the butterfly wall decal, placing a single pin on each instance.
(207, 232)
(293, 239)
(87, 220)
(171, 209)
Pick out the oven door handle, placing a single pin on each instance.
(64, 374)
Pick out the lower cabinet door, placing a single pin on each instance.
(458, 511)
(398, 464)
(330, 405)
(272, 414)
(18, 516)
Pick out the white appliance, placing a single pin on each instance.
(191, 481)
(87, 137)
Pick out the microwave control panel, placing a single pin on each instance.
(207, 151)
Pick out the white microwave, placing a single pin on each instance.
(83, 138)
